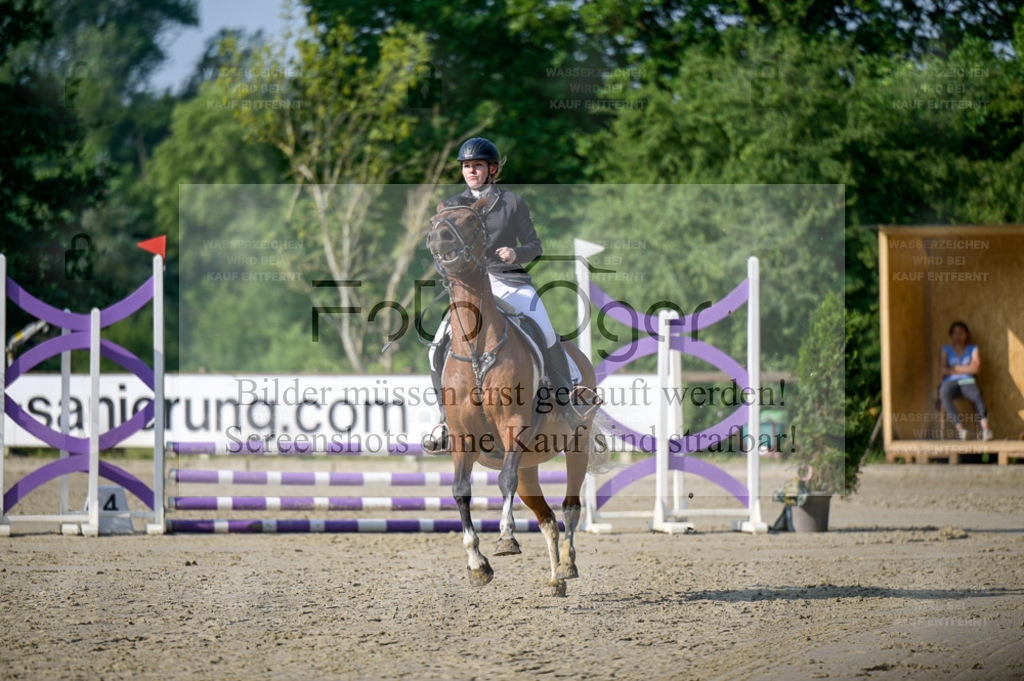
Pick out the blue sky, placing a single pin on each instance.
(184, 47)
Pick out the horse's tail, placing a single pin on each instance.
(599, 455)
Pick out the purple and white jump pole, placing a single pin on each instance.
(342, 526)
(671, 447)
(224, 478)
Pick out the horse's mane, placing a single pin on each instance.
(459, 201)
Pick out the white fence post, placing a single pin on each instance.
(91, 528)
(754, 523)
(665, 516)
(584, 250)
(158, 526)
(5, 528)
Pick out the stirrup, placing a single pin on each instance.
(434, 445)
(580, 405)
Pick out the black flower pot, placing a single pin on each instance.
(812, 516)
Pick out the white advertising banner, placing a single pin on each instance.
(370, 411)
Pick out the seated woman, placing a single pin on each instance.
(959, 364)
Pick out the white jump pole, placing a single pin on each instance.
(664, 518)
(92, 527)
(5, 527)
(159, 525)
(661, 425)
(675, 424)
(754, 524)
(584, 250)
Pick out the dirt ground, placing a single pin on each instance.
(920, 577)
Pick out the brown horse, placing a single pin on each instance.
(490, 382)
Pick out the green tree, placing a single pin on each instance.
(45, 181)
(504, 55)
(719, 122)
(788, 96)
(206, 146)
(339, 120)
(104, 52)
(77, 134)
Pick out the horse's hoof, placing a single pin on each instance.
(556, 587)
(481, 576)
(507, 547)
(567, 571)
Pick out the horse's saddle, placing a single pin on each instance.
(533, 336)
(530, 333)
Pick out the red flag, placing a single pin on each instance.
(157, 245)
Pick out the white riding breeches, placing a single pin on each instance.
(525, 301)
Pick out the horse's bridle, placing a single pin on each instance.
(481, 361)
(465, 250)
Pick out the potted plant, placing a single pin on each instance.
(823, 468)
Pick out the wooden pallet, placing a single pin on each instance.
(953, 451)
(1006, 458)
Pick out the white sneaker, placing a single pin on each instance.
(987, 434)
(961, 434)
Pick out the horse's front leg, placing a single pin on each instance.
(508, 482)
(532, 495)
(576, 458)
(480, 572)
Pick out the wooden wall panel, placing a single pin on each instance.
(908, 310)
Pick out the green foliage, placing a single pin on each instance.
(687, 244)
(103, 52)
(119, 41)
(339, 119)
(821, 404)
(206, 145)
(46, 182)
(239, 325)
(862, 107)
(764, 110)
(501, 56)
(76, 133)
(334, 114)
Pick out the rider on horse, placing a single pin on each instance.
(512, 242)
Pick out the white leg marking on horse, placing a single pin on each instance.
(472, 543)
(550, 531)
(508, 523)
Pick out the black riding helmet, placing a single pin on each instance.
(479, 148)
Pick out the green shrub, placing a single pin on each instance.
(820, 418)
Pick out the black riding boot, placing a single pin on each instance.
(437, 441)
(564, 393)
